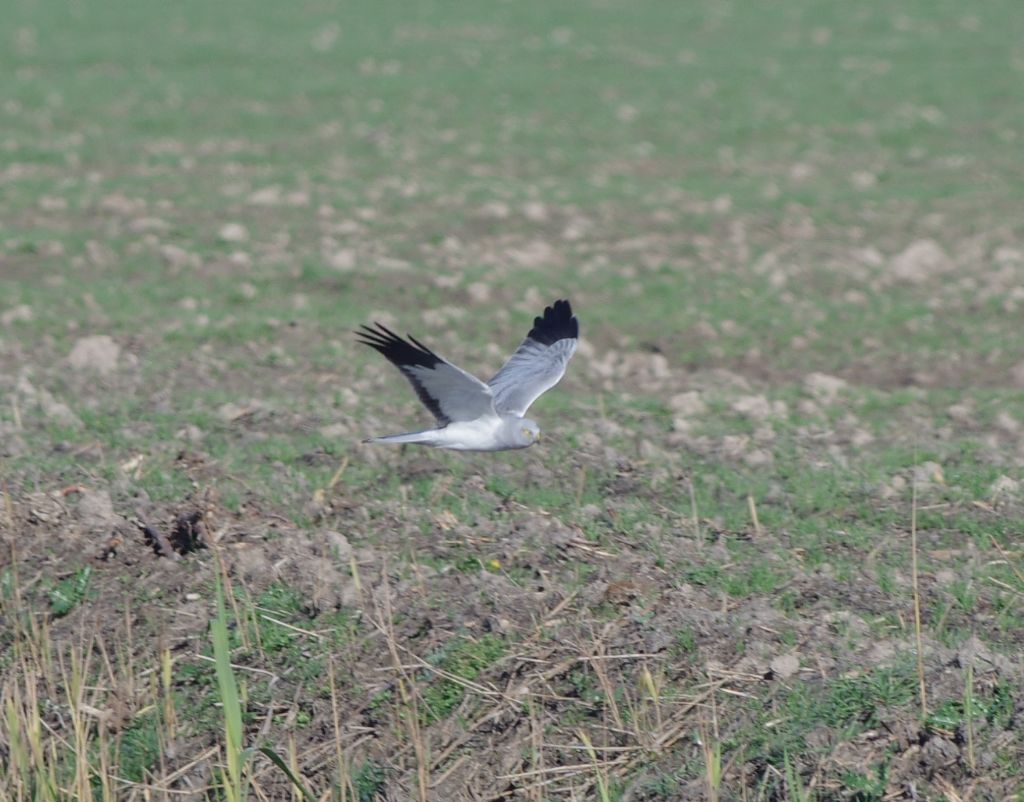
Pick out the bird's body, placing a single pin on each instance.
(471, 415)
(491, 433)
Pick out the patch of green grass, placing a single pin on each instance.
(759, 578)
(995, 707)
(139, 747)
(867, 786)
(368, 781)
(585, 685)
(281, 599)
(663, 786)
(684, 644)
(858, 700)
(70, 592)
(705, 575)
(465, 658)
(846, 705)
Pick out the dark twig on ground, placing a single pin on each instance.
(161, 545)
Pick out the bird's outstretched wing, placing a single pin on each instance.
(449, 392)
(539, 362)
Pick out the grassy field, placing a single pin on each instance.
(770, 545)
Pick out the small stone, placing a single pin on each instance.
(920, 261)
(392, 265)
(18, 314)
(1007, 423)
(928, 473)
(334, 430)
(577, 228)
(861, 437)
(807, 407)
(1004, 487)
(658, 641)
(882, 652)
(735, 445)
(756, 407)
(231, 411)
(265, 196)
(938, 753)
(649, 451)
(535, 211)
(192, 597)
(326, 37)
(148, 225)
(342, 260)
(801, 171)
(189, 432)
(822, 387)
(98, 353)
(1005, 255)
(53, 203)
(479, 292)
(175, 256)
(12, 444)
(961, 413)
(240, 259)
(57, 410)
(785, 666)
(758, 457)
(495, 210)
(863, 179)
(340, 548)
(722, 204)
(98, 253)
(870, 256)
(233, 232)
(96, 510)
(975, 653)
(658, 366)
(687, 404)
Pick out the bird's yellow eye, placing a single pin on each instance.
(526, 432)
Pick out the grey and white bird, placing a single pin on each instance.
(471, 415)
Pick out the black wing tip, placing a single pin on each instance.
(369, 335)
(557, 323)
(403, 354)
(398, 350)
(378, 331)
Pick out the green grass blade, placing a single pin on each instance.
(278, 761)
(228, 689)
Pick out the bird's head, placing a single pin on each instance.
(530, 431)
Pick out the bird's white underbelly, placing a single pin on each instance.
(476, 435)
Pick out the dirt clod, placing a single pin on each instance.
(98, 353)
(189, 533)
(921, 261)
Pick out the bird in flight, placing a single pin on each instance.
(471, 415)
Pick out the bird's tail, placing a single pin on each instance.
(427, 437)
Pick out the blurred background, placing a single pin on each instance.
(792, 234)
